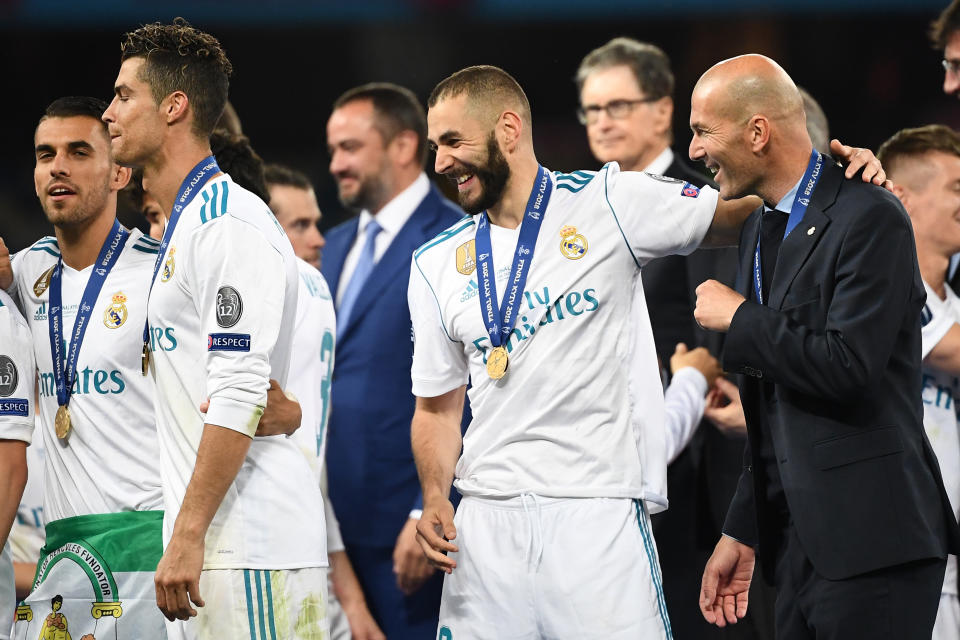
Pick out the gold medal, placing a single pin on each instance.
(497, 362)
(145, 359)
(62, 422)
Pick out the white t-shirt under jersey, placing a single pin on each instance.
(569, 419)
(940, 393)
(109, 462)
(228, 287)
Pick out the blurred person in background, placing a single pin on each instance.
(376, 136)
(817, 125)
(945, 36)
(626, 92)
(293, 202)
(924, 165)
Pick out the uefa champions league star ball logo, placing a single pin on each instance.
(229, 307)
(8, 377)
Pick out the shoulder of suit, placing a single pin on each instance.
(448, 239)
(857, 198)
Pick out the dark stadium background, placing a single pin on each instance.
(870, 65)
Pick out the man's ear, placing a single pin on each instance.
(758, 132)
(120, 177)
(176, 106)
(509, 130)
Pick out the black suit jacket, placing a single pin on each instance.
(840, 341)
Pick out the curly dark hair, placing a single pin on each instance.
(236, 157)
(179, 57)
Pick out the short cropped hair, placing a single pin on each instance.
(395, 109)
(178, 57)
(277, 175)
(492, 83)
(236, 157)
(912, 144)
(73, 106)
(946, 23)
(648, 63)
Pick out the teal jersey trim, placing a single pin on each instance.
(443, 236)
(46, 249)
(154, 251)
(214, 202)
(273, 626)
(606, 195)
(436, 299)
(246, 585)
(654, 567)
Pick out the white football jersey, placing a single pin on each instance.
(109, 461)
(570, 418)
(940, 393)
(28, 533)
(17, 373)
(227, 287)
(311, 363)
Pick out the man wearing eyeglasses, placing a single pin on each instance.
(945, 34)
(626, 106)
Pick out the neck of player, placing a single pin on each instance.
(784, 170)
(933, 268)
(164, 173)
(509, 211)
(80, 244)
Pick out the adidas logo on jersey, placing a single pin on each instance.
(41, 313)
(471, 290)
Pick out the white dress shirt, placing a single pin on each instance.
(391, 219)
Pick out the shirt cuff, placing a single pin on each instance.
(19, 430)
(241, 417)
(425, 388)
(691, 377)
(415, 514)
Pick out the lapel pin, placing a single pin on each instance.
(811, 231)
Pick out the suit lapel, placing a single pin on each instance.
(335, 253)
(395, 262)
(797, 246)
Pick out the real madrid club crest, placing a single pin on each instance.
(116, 313)
(40, 286)
(169, 266)
(467, 258)
(572, 244)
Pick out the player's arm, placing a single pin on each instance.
(17, 394)
(237, 278)
(440, 374)
(436, 439)
(13, 461)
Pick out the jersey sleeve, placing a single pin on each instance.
(439, 363)
(658, 216)
(936, 319)
(17, 375)
(239, 280)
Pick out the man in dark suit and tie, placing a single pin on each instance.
(841, 493)
(377, 141)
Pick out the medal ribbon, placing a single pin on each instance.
(797, 211)
(500, 320)
(64, 373)
(189, 189)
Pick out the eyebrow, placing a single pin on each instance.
(120, 87)
(447, 136)
(72, 146)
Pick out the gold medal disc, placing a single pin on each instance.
(497, 363)
(62, 422)
(145, 359)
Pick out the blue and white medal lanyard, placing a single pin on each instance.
(797, 211)
(64, 373)
(189, 188)
(500, 320)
